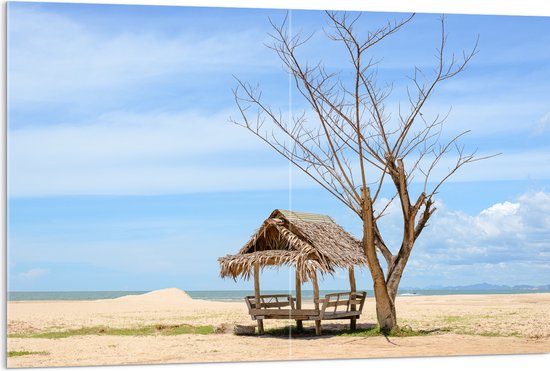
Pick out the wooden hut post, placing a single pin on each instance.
(257, 295)
(299, 323)
(316, 302)
(353, 288)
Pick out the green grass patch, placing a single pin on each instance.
(166, 330)
(492, 333)
(364, 332)
(404, 331)
(375, 331)
(290, 331)
(184, 329)
(489, 333)
(25, 353)
(453, 319)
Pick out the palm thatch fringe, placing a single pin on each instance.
(243, 264)
(310, 242)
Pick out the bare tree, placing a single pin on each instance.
(354, 149)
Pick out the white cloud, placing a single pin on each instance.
(506, 243)
(508, 232)
(129, 136)
(530, 163)
(499, 217)
(542, 124)
(505, 209)
(32, 274)
(142, 154)
(159, 153)
(54, 58)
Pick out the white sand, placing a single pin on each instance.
(525, 319)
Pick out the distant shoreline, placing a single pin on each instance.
(232, 295)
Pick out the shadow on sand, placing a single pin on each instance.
(363, 330)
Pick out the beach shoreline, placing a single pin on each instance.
(238, 295)
(459, 325)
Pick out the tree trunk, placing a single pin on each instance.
(397, 267)
(385, 308)
(394, 277)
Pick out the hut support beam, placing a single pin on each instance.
(316, 302)
(353, 288)
(257, 295)
(299, 323)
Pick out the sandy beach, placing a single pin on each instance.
(458, 325)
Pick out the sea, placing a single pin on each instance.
(231, 295)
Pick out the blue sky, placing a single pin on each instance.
(124, 172)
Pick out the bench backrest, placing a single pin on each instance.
(279, 301)
(344, 302)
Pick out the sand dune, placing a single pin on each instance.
(173, 296)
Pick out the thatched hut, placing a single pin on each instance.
(309, 242)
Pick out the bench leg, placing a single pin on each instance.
(317, 327)
(261, 326)
(299, 325)
(353, 324)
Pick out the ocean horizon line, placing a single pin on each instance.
(237, 295)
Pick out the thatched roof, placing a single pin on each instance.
(311, 242)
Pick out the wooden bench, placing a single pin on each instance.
(340, 305)
(278, 301)
(277, 307)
